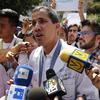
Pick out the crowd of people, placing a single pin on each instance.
(39, 43)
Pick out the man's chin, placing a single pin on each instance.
(82, 46)
(40, 44)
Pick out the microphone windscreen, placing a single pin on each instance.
(53, 85)
(65, 55)
(37, 94)
(76, 59)
(23, 75)
(50, 73)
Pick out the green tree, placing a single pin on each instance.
(93, 10)
(21, 6)
(94, 7)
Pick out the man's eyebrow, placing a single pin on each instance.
(40, 19)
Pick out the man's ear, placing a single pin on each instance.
(14, 29)
(98, 38)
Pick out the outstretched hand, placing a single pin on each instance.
(94, 75)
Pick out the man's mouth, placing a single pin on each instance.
(38, 35)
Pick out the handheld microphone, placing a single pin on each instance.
(76, 59)
(37, 94)
(53, 85)
(22, 79)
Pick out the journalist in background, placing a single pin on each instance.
(45, 28)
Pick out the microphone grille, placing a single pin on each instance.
(50, 73)
(64, 55)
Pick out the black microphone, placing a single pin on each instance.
(53, 85)
(37, 94)
(50, 73)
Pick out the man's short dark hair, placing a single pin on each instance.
(93, 25)
(11, 15)
(51, 13)
(74, 25)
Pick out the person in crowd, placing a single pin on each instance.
(63, 32)
(45, 26)
(8, 21)
(73, 35)
(90, 39)
(91, 43)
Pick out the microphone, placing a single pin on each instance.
(37, 94)
(76, 59)
(22, 79)
(53, 85)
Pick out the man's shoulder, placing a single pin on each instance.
(36, 52)
(34, 56)
(38, 49)
(1, 67)
(66, 46)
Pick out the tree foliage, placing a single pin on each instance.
(93, 10)
(94, 7)
(21, 6)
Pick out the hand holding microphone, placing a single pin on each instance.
(22, 79)
(94, 75)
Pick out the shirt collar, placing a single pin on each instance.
(53, 50)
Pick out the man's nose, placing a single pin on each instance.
(81, 37)
(71, 33)
(37, 24)
(37, 27)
